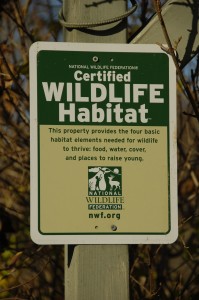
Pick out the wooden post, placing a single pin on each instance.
(84, 11)
(99, 272)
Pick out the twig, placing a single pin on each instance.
(14, 298)
(18, 24)
(148, 293)
(26, 6)
(142, 286)
(190, 279)
(172, 53)
(28, 281)
(18, 16)
(17, 108)
(187, 114)
(12, 75)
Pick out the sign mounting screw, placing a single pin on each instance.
(114, 227)
(95, 58)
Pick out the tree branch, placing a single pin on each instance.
(172, 53)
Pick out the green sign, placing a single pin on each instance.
(103, 151)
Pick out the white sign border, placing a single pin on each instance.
(39, 238)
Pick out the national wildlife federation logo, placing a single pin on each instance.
(104, 181)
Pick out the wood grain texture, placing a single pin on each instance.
(96, 272)
(80, 11)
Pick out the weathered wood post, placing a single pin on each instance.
(99, 272)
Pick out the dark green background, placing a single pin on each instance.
(153, 69)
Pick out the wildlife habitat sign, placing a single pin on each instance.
(103, 144)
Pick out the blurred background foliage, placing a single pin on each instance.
(29, 271)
